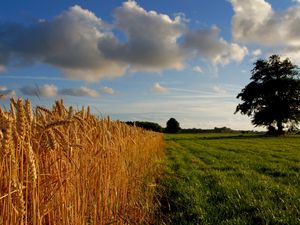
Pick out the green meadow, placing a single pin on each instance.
(231, 179)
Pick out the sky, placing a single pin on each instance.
(143, 60)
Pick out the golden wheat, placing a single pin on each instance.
(63, 166)
(21, 120)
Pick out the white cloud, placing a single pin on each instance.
(292, 53)
(107, 90)
(159, 89)
(46, 90)
(255, 55)
(197, 69)
(256, 52)
(152, 39)
(6, 93)
(69, 42)
(82, 91)
(3, 88)
(256, 21)
(210, 46)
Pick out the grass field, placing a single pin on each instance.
(231, 179)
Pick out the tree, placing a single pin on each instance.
(272, 98)
(172, 126)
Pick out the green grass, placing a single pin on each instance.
(231, 179)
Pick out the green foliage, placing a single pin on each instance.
(172, 126)
(231, 179)
(273, 95)
(146, 125)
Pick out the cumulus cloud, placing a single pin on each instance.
(85, 47)
(80, 92)
(152, 39)
(46, 90)
(6, 93)
(208, 44)
(107, 90)
(256, 21)
(69, 42)
(197, 69)
(159, 89)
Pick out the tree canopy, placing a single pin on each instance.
(272, 98)
(172, 126)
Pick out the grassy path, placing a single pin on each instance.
(229, 179)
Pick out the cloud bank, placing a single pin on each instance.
(46, 90)
(84, 46)
(256, 22)
(50, 90)
(82, 91)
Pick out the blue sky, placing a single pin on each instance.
(143, 60)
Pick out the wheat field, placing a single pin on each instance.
(65, 166)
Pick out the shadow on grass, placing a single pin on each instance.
(215, 137)
(229, 137)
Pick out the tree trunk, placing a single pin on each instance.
(279, 126)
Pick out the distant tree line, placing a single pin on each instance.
(172, 126)
(214, 130)
(146, 125)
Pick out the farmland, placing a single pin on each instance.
(231, 179)
(66, 166)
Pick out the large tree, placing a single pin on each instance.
(172, 126)
(272, 98)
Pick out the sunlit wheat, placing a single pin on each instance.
(63, 166)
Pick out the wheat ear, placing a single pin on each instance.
(21, 119)
(28, 111)
(18, 199)
(7, 141)
(32, 165)
(43, 109)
